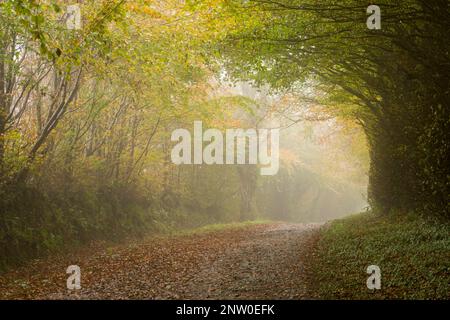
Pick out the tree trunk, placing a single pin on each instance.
(3, 103)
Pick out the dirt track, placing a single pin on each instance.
(264, 261)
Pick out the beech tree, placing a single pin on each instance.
(396, 78)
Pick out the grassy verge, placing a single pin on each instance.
(412, 252)
(221, 227)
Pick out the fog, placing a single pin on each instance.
(323, 171)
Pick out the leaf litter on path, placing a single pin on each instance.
(263, 261)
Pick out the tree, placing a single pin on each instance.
(397, 76)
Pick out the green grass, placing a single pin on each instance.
(412, 252)
(221, 227)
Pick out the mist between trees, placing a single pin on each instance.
(86, 115)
